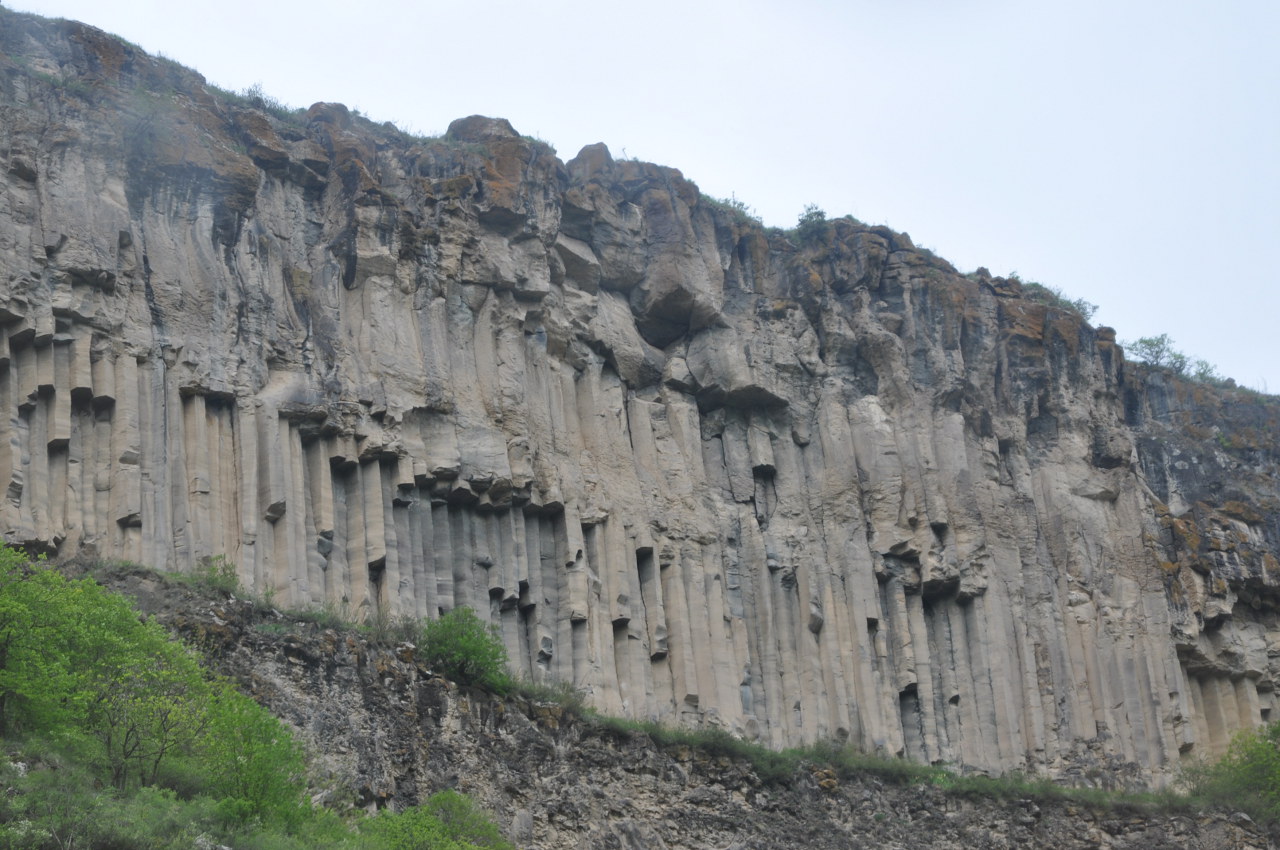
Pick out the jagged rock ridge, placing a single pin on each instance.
(703, 471)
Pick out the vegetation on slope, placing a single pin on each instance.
(1247, 778)
(116, 737)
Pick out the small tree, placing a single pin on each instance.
(1159, 351)
(147, 709)
(253, 762)
(811, 227)
(1205, 372)
(465, 649)
(412, 829)
(36, 679)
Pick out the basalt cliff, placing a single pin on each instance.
(800, 488)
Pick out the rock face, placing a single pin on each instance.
(706, 472)
(389, 732)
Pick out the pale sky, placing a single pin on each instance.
(1126, 152)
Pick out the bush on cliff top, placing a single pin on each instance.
(1158, 351)
(811, 226)
(1054, 297)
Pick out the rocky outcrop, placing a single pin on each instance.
(386, 732)
(706, 472)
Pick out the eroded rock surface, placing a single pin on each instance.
(387, 732)
(705, 472)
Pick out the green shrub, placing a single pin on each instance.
(76, 662)
(1054, 297)
(564, 694)
(739, 210)
(254, 765)
(1206, 373)
(811, 227)
(37, 675)
(151, 752)
(1158, 351)
(446, 821)
(464, 822)
(413, 829)
(57, 802)
(462, 647)
(327, 615)
(217, 572)
(147, 707)
(1247, 778)
(78, 665)
(386, 630)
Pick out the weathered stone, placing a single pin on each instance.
(698, 472)
(384, 726)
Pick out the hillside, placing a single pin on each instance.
(385, 731)
(801, 486)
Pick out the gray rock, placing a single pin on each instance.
(395, 377)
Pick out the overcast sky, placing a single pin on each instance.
(1127, 152)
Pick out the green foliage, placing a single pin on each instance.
(219, 573)
(78, 665)
(464, 822)
(254, 766)
(1054, 297)
(414, 829)
(541, 144)
(51, 800)
(214, 572)
(446, 821)
(146, 707)
(849, 763)
(1247, 778)
(465, 649)
(739, 210)
(255, 98)
(385, 630)
(811, 227)
(268, 103)
(37, 673)
(75, 661)
(564, 694)
(152, 752)
(1205, 372)
(1158, 351)
(329, 615)
(772, 766)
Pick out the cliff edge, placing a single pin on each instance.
(706, 472)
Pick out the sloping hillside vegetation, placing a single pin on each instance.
(116, 736)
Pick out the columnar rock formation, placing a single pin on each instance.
(708, 473)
